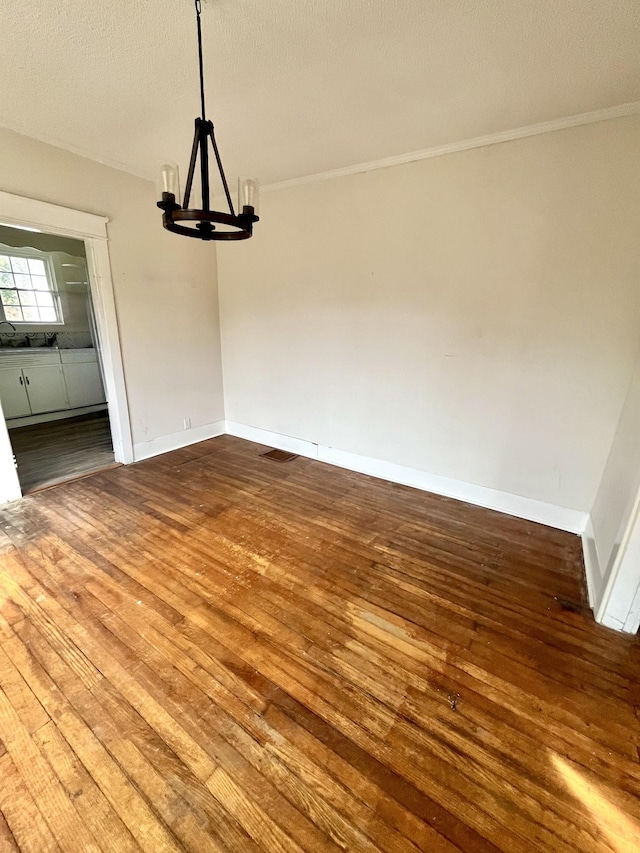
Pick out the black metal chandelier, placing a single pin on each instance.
(206, 224)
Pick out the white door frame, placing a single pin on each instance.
(92, 230)
(619, 604)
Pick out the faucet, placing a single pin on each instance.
(6, 322)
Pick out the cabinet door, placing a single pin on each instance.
(45, 387)
(13, 393)
(84, 385)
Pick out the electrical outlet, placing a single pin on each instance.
(187, 423)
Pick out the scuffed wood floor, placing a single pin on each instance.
(211, 651)
(56, 451)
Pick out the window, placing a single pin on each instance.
(27, 290)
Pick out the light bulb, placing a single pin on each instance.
(171, 179)
(248, 190)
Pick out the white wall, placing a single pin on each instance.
(165, 287)
(474, 316)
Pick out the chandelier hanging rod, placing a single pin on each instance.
(201, 64)
(240, 226)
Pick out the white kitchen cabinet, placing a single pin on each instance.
(32, 390)
(82, 377)
(84, 385)
(35, 383)
(45, 388)
(13, 393)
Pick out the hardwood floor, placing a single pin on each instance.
(57, 451)
(209, 651)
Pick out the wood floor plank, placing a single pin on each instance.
(224, 722)
(30, 712)
(8, 842)
(255, 820)
(297, 821)
(251, 749)
(113, 736)
(25, 821)
(207, 651)
(90, 803)
(69, 831)
(364, 723)
(133, 810)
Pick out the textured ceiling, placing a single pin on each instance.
(302, 86)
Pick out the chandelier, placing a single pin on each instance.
(204, 223)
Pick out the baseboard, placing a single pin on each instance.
(165, 443)
(561, 518)
(591, 564)
(272, 439)
(30, 420)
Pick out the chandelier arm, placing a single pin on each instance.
(204, 164)
(198, 10)
(221, 169)
(192, 165)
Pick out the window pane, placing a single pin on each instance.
(27, 297)
(45, 299)
(26, 293)
(19, 264)
(9, 297)
(37, 267)
(23, 281)
(12, 312)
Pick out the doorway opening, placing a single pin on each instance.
(59, 338)
(51, 376)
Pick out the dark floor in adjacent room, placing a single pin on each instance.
(56, 451)
(209, 651)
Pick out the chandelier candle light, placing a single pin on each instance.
(206, 222)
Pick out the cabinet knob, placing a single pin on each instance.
(21, 382)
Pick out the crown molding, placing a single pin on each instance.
(563, 123)
(619, 111)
